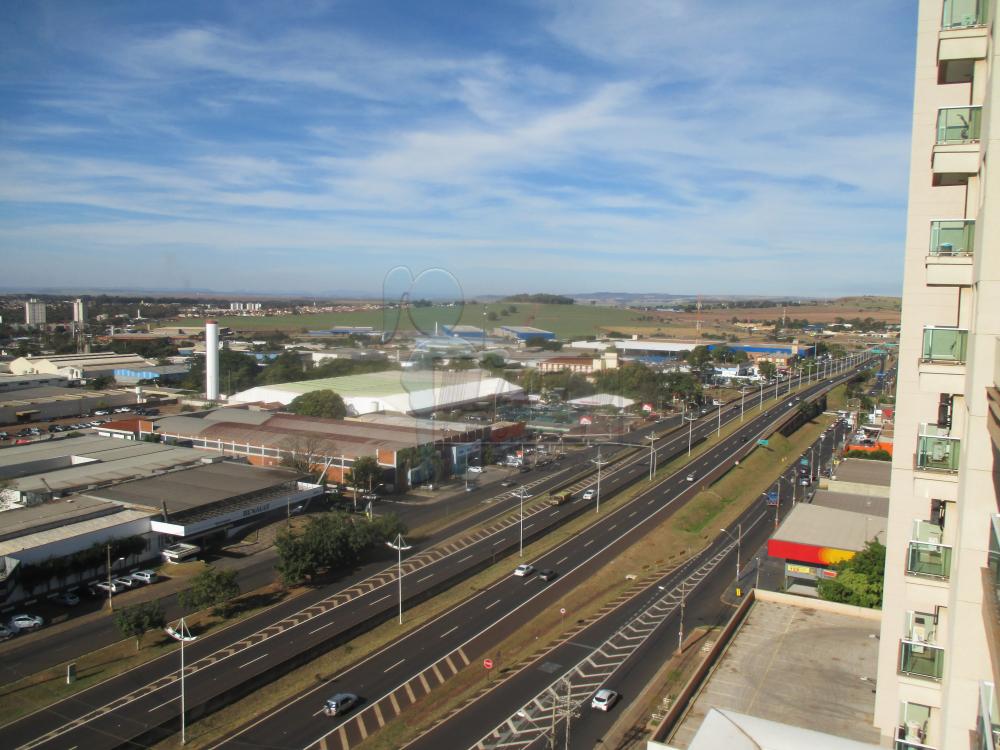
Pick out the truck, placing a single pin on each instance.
(558, 498)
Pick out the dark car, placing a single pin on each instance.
(547, 574)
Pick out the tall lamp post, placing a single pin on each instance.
(111, 602)
(182, 634)
(520, 544)
(599, 464)
(652, 456)
(690, 421)
(399, 545)
(739, 541)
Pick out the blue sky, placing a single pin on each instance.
(652, 146)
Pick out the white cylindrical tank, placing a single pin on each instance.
(212, 360)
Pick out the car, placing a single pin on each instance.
(101, 413)
(113, 586)
(6, 633)
(67, 599)
(122, 410)
(370, 496)
(804, 481)
(125, 582)
(508, 483)
(589, 494)
(691, 477)
(340, 704)
(25, 622)
(547, 575)
(604, 699)
(4, 436)
(145, 576)
(476, 469)
(524, 570)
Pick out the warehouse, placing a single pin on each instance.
(78, 366)
(22, 382)
(414, 392)
(52, 402)
(154, 374)
(399, 443)
(524, 333)
(213, 500)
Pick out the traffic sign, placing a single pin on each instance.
(488, 663)
(762, 442)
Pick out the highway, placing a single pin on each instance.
(412, 666)
(142, 705)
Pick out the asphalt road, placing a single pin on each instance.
(248, 654)
(392, 678)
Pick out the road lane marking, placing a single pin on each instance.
(252, 661)
(394, 665)
(467, 557)
(589, 543)
(419, 580)
(558, 562)
(492, 605)
(450, 631)
(379, 599)
(165, 703)
(321, 627)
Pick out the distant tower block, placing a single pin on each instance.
(212, 360)
(79, 312)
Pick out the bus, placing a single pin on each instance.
(558, 498)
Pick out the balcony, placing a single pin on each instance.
(919, 659)
(944, 345)
(915, 722)
(956, 237)
(937, 450)
(964, 14)
(956, 150)
(988, 720)
(926, 556)
(958, 125)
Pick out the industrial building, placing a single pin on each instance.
(156, 373)
(52, 402)
(939, 661)
(779, 354)
(329, 445)
(21, 382)
(414, 392)
(77, 366)
(524, 333)
(467, 333)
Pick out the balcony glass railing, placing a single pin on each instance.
(944, 344)
(936, 450)
(927, 559)
(958, 124)
(988, 720)
(921, 659)
(961, 14)
(950, 238)
(911, 745)
(993, 555)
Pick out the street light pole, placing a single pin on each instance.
(182, 634)
(111, 601)
(652, 456)
(738, 539)
(599, 463)
(520, 544)
(399, 545)
(718, 430)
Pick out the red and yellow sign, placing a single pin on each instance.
(807, 553)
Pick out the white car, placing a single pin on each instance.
(476, 469)
(25, 622)
(524, 570)
(589, 494)
(145, 576)
(691, 477)
(604, 699)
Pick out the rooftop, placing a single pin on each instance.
(820, 526)
(864, 471)
(872, 505)
(20, 521)
(798, 662)
(194, 488)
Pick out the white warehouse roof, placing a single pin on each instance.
(406, 391)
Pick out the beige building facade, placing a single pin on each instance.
(935, 671)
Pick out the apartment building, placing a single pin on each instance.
(34, 313)
(938, 656)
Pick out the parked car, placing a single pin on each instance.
(604, 699)
(524, 570)
(145, 576)
(125, 582)
(101, 413)
(476, 469)
(340, 704)
(114, 587)
(67, 599)
(25, 622)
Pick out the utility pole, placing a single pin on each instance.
(399, 545)
(520, 543)
(652, 456)
(680, 629)
(599, 463)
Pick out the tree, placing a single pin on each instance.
(211, 588)
(767, 369)
(319, 404)
(137, 620)
(859, 579)
(285, 368)
(365, 472)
